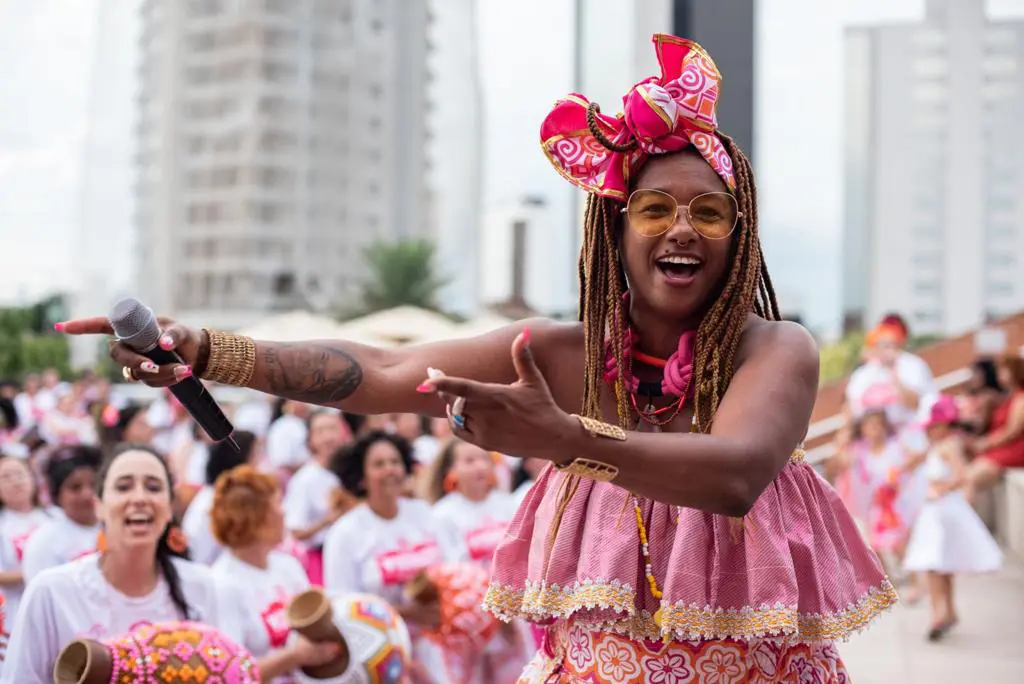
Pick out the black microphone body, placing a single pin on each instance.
(136, 326)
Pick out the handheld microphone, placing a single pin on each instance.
(135, 325)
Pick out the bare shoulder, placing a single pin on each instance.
(784, 344)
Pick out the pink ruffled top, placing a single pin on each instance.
(794, 567)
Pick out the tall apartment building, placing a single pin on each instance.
(934, 169)
(456, 150)
(275, 138)
(726, 31)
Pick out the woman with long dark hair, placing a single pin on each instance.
(140, 575)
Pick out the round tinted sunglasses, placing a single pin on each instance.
(652, 212)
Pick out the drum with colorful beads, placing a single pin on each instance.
(167, 652)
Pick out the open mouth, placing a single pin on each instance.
(139, 522)
(679, 268)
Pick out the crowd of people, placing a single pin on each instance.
(675, 533)
(910, 462)
(313, 497)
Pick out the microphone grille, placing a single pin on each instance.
(135, 324)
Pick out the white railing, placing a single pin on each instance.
(827, 426)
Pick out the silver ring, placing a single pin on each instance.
(458, 406)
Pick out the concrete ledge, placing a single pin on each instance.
(1010, 515)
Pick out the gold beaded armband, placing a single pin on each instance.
(585, 467)
(232, 358)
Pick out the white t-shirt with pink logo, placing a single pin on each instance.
(56, 542)
(873, 387)
(475, 528)
(366, 553)
(75, 600)
(254, 601)
(15, 531)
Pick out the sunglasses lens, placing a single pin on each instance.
(714, 214)
(651, 212)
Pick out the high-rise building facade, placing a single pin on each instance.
(934, 170)
(726, 31)
(275, 139)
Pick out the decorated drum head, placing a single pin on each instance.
(377, 639)
(167, 652)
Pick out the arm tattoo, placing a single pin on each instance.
(315, 373)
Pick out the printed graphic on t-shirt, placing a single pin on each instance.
(83, 554)
(483, 540)
(398, 566)
(19, 541)
(275, 618)
(878, 396)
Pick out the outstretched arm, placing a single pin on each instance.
(762, 418)
(345, 375)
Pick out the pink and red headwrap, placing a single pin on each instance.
(662, 114)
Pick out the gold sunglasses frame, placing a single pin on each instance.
(689, 219)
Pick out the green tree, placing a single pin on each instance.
(27, 340)
(400, 274)
(839, 358)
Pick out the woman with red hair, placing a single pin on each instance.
(255, 582)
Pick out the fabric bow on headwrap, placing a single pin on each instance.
(599, 153)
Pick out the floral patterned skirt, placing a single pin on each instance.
(573, 654)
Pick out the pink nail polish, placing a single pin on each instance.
(425, 388)
(149, 367)
(166, 342)
(59, 327)
(526, 335)
(183, 372)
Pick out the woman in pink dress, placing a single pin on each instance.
(677, 535)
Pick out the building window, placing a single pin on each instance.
(928, 316)
(202, 8)
(928, 259)
(1002, 259)
(928, 288)
(999, 288)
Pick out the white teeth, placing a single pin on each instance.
(689, 261)
(139, 519)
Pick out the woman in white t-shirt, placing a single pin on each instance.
(384, 542)
(312, 498)
(196, 521)
(469, 510)
(255, 583)
(141, 574)
(21, 514)
(71, 534)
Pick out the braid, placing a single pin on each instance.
(747, 289)
(603, 284)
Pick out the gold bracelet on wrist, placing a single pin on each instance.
(585, 467)
(232, 358)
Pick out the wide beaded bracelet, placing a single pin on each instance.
(585, 467)
(232, 358)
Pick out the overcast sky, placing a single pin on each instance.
(47, 49)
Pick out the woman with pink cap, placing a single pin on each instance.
(948, 537)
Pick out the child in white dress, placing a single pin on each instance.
(948, 537)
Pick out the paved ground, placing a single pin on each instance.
(987, 647)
